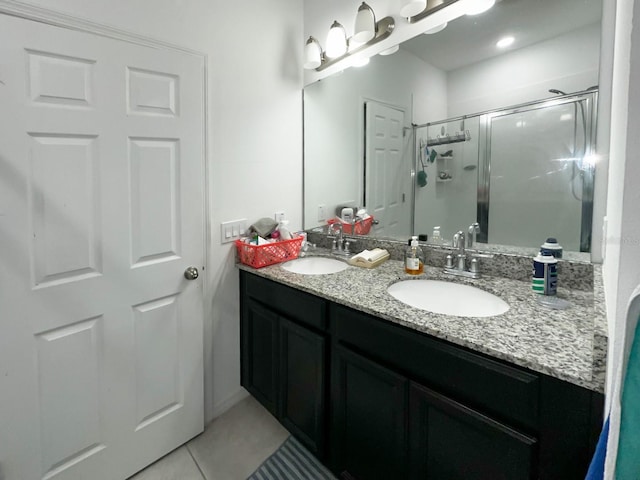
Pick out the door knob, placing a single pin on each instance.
(191, 273)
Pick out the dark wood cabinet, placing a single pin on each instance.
(375, 400)
(449, 441)
(283, 360)
(369, 405)
(260, 353)
(302, 384)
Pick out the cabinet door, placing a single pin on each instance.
(369, 413)
(449, 441)
(260, 353)
(302, 384)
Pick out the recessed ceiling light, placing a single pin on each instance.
(505, 42)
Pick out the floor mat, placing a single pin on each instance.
(291, 462)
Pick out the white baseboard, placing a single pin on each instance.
(221, 407)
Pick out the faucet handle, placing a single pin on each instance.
(474, 229)
(473, 266)
(458, 240)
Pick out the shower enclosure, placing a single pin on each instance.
(524, 173)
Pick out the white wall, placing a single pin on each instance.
(568, 62)
(254, 138)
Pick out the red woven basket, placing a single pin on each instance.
(362, 226)
(258, 256)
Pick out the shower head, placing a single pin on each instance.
(557, 92)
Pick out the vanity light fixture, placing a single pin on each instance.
(365, 26)
(367, 32)
(312, 54)
(505, 42)
(479, 6)
(336, 41)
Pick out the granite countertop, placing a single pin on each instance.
(567, 344)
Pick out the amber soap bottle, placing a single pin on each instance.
(414, 258)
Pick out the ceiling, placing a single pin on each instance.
(470, 39)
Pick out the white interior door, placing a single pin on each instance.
(388, 175)
(101, 211)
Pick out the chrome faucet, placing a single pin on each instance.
(458, 242)
(474, 229)
(460, 267)
(340, 244)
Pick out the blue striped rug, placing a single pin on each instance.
(291, 462)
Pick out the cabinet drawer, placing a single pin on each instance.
(289, 302)
(494, 387)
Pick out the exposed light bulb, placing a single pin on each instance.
(476, 7)
(336, 41)
(312, 54)
(365, 26)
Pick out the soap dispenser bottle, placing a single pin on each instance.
(414, 258)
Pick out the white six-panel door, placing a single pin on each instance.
(101, 211)
(388, 174)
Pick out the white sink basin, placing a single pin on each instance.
(448, 298)
(315, 266)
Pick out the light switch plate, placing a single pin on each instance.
(322, 213)
(279, 216)
(232, 230)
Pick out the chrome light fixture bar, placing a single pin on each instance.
(432, 7)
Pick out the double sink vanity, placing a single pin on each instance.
(383, 375)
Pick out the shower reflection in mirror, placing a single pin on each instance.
(523, 172)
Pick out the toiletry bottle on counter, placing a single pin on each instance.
(414, 258)
(551, 247)
(347, 214)
(285, 234)
(545, 274)
(435, 236)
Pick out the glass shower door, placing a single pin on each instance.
(542, 193)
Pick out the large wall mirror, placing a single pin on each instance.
(452, 129)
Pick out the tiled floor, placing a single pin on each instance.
(231, 447)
